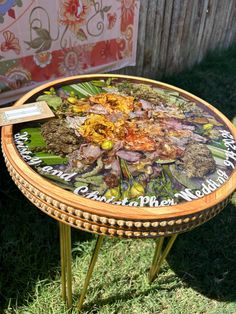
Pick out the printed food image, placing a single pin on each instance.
(129, 143)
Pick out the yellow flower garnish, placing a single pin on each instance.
(80, 108)
(72, 100)
(113, 102)
(208, 126)
(114, 192)
(97, 128)
(107, 145)
(137, 189)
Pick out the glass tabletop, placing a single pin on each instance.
(124, 151)
(128, 143)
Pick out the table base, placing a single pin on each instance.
(66, 274)
(159, 256)
(90, 270)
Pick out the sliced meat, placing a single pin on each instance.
(89, 153)
(129, 156)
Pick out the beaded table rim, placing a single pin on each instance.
(110, 226)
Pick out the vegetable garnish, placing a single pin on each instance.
(129, 143)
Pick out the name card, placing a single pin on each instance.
(28, 112)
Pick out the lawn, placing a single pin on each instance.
(198, 277)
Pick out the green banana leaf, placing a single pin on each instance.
(165, 161)
(53, 101)
(217, 152)
(82, 90)
(35, 137)
(182, 178)
(60, 182)
(51, 159)
(36, 140)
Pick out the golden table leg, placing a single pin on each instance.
(160, 256)
(66, 276)
(90, 270)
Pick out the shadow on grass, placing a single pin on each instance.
(166, 285)
(29, 244)
(205, 258)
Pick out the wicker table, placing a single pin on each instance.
(106, 219)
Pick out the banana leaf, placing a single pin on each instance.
(220, 162)
(165, 161)
(51, 159)
(218, 143)
(35, 137)
(182, 178)
(217, 152)
(53, 101)
(60, 182)
(82, 90)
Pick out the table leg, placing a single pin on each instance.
(66, 275)
(160, 256)
(63, 262)
(90, 270)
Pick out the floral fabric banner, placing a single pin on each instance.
(42, 40)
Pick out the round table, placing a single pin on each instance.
(163, 118)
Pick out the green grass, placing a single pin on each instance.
(198, 277)
(213, 80)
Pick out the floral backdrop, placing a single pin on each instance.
(42, 40)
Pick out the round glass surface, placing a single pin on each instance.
(128, 142)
